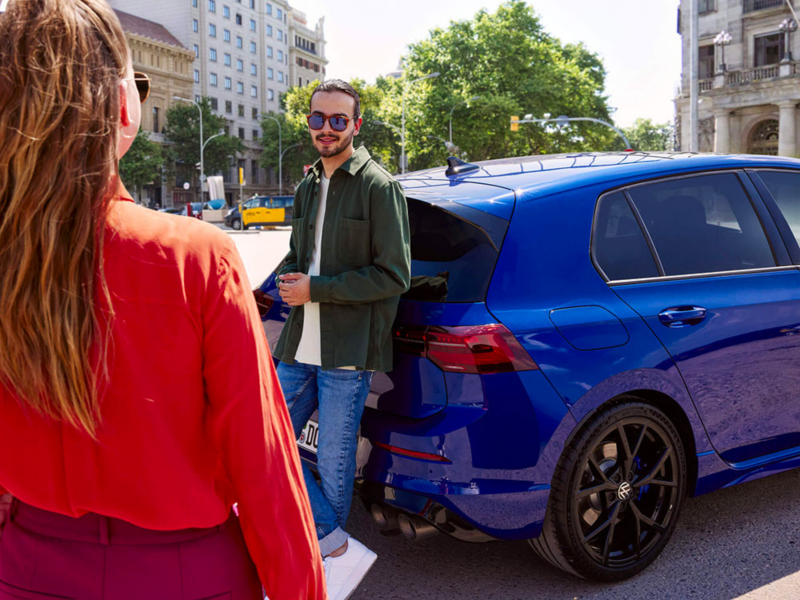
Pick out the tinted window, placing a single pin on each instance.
(785, 188)
(452, 260)
(620, 248)
(703, 224)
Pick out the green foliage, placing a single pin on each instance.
(648, 136)
(141, 165)
(182, 130)
(506, 58)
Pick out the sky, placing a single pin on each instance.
(637, 40)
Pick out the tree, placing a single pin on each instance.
(648, 136)
(182, 130)
(141, 165)
(517, 68)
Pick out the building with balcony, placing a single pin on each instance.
(155, 51)
(749, 79)
(240, 52)
(307, 51)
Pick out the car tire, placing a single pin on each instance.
(237, 224)
(605, 492)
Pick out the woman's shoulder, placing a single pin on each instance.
(137, 233)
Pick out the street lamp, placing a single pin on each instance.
(202, 146)
(403, 134)
(280, 153)
(564, 120)
(788, 26)
(448, 145)
(723, 39)
(451, 114)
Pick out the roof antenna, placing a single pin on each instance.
(456, 166)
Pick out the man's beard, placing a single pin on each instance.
(336, 149)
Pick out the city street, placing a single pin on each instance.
(742, 542)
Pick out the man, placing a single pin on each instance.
(348, 263)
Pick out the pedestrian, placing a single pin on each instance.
(125, 442)
(348, 263)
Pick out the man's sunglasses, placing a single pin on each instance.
(316, 122)
(142, 82)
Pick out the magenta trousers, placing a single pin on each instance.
(44, 555)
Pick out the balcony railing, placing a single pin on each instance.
(751, 75)
(754, 5)
(706, 85)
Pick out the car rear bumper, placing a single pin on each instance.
(495, 458)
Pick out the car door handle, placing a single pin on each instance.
(682, 316)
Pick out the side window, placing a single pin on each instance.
(785, 188)
(252, 203)
(703, 224)
(619, 245)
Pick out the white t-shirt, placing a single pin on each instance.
(309, 351)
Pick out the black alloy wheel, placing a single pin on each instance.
(616, 494)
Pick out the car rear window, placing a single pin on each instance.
(452, 257)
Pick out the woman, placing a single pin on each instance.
(138, 401)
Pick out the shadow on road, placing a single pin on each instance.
(727, 544)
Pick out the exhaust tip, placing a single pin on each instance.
(414, 528)
(378, 515)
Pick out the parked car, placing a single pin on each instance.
(588, 339)
(266, 211)
(171, 211)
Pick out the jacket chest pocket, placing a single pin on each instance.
(353, 247)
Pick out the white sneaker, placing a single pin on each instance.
(344, 573)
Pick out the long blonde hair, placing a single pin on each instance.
(61, 62)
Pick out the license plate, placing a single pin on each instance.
(309, 438)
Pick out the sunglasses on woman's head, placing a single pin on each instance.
(142, 82)
(316, 121)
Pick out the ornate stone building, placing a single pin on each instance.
(749, 79)
(307, 50)
(156, 52)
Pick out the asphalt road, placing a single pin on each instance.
(742, 542)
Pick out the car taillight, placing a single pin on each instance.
(263, 301)
(472, 349)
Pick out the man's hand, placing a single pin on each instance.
(295, 289)
(5, 510)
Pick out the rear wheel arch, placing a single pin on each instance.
(671, 408)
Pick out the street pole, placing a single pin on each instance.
(280, 154)
(403, 126)
(202, 146)
(694, 29)
(451, 114)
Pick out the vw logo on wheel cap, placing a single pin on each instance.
(624, 491)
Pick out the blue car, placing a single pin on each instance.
(588, 340)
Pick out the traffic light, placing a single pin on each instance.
(515, 123)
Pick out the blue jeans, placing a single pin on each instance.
(340, 395)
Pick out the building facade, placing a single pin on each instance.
(748, 77)
(155, 51)
(241, 62)
(307, 50)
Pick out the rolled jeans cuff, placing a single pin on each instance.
(333, 541)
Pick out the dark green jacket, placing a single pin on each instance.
(366, 263)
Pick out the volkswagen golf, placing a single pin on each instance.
(588, 340)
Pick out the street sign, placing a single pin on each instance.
(186, 186)
(241, 176)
